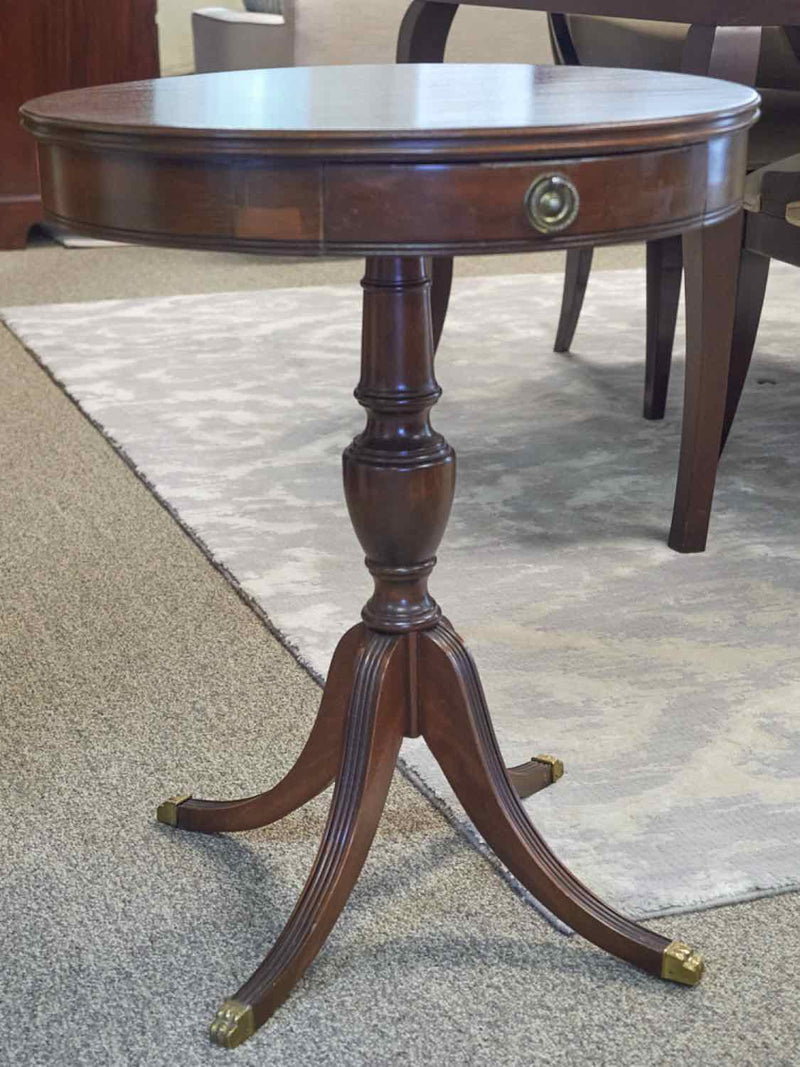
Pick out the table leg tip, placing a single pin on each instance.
(167, 812)
(556, 765)
(682, 964)
(232, 1025)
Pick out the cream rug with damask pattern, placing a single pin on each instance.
(669, 685)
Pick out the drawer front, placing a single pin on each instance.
(259, 203)
(484, 206)
(248, 203)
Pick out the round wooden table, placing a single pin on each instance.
(399, 164)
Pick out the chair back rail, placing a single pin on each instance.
(708, 12)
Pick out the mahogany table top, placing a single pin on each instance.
(406, 111)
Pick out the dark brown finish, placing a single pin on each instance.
(376, 721)
(459, 732)
(678, 142)
(720, 51)
(424, 31)
(407, 672)
(399, 474)
(290, 187)
(710, 306)
(664, 276)
(145, 161)
(60, 44)
(313, 772)
(441, 283)
(709, 12)
(395, 114)
(721, 42)
(753, 275)
(576, 278)
(768, 234)
(726, 52)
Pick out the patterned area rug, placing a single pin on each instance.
(669, 685)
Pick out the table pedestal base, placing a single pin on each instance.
(382, 688)
(403, 672)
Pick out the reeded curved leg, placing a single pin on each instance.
(314, 770)
(664, 276)
(711, 257)
(457, 727)
(376, 722)
(576, 278)
(753, 275)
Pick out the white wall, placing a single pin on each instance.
(365, 31)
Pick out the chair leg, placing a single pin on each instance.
(711, 261)
(441, 284)
(664, 274)
(576, 278)
(753, 274)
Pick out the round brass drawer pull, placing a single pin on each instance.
(552, 203)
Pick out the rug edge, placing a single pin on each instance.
(463, 827)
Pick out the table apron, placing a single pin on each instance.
(311, 207)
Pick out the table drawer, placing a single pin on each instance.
(463, 206)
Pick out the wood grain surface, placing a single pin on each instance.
(400, 111)
(415, 159)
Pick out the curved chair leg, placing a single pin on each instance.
(711, 256)
(664, 275)
(576, 278)
(376, 722)
(313, 772)
(753, 275)
(441, 283)
(459, 731)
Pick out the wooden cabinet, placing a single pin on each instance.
(47, 45)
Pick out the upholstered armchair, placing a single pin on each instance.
(263, 35)
(599, 41)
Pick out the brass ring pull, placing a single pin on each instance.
(552, 203)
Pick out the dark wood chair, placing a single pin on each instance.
(775, 67)
(771, 231)
(716, 38)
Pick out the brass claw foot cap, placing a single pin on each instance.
(682, 964)
(168, 811)
(556, 766)
(232, 1024)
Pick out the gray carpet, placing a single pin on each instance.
(120, 938)
(667, 684)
